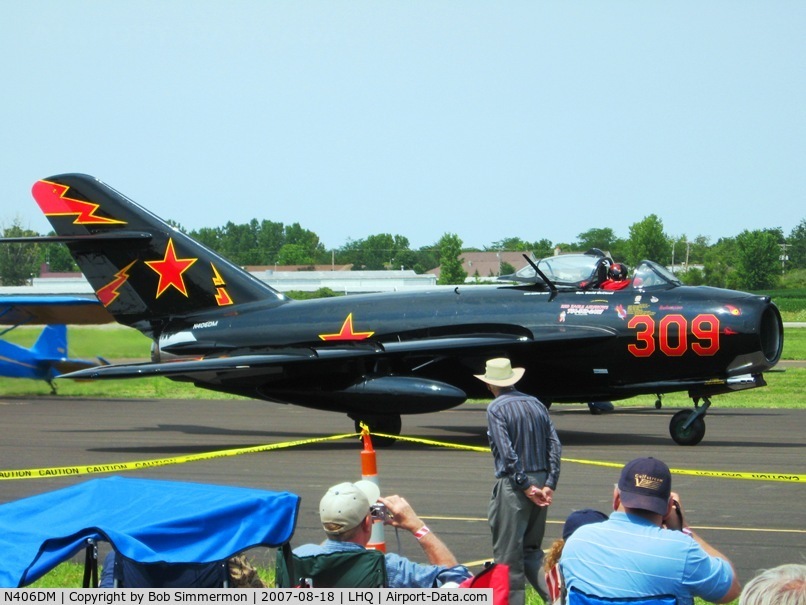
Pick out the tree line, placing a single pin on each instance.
(759, 259)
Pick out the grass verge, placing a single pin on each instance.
(113, 341)
(784, 388)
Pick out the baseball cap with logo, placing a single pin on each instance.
(345, 505)
(646, 483)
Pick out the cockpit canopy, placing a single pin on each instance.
(588, 271)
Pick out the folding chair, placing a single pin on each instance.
(577, 597)
(127, 573)
(350, 569)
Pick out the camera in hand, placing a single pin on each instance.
(380, 512)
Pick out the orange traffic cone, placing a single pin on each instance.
(369, 472)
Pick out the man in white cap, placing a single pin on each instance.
(345, 515)
(526, 454)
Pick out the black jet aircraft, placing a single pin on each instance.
(376, 357)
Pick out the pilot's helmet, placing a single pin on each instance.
(617, 271)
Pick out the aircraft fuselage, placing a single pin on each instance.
(576, 345)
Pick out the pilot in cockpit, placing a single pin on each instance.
(616, 277)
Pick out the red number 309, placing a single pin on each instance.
(671, 337)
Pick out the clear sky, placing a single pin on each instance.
(485, 119)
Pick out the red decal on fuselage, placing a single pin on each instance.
(346, 332)
(672, 337)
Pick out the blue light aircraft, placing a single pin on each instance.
(47, 358)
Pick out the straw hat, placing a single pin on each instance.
(499, 372)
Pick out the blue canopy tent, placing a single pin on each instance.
(149, 521)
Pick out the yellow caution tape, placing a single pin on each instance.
(127, 466)
(456, 446)
(41, 473)
(786, 477)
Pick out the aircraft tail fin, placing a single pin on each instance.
(142, 269)
(52, 343)
(50, 354)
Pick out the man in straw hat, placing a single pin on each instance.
(526, 453)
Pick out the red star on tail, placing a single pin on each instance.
(170, 270)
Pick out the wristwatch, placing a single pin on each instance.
(521, 480)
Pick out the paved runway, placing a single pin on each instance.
(756, 523)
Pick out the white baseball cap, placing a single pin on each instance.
(346, 504)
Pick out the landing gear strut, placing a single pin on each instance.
(688, 427)
(388, 424)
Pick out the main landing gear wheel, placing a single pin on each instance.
(685, 433)
(387, 424)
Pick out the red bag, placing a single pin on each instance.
(495, 576)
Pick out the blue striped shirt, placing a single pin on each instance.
(629, 556)
(522, 437)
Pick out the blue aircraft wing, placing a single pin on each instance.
(16, 310)
(48, 358)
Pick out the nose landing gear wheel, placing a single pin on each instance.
(687, 435)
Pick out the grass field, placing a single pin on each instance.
(117, 342)
(784, 389)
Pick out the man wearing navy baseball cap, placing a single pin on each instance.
(646, 484)
(646, 548)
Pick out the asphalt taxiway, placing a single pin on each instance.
(757, 523)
